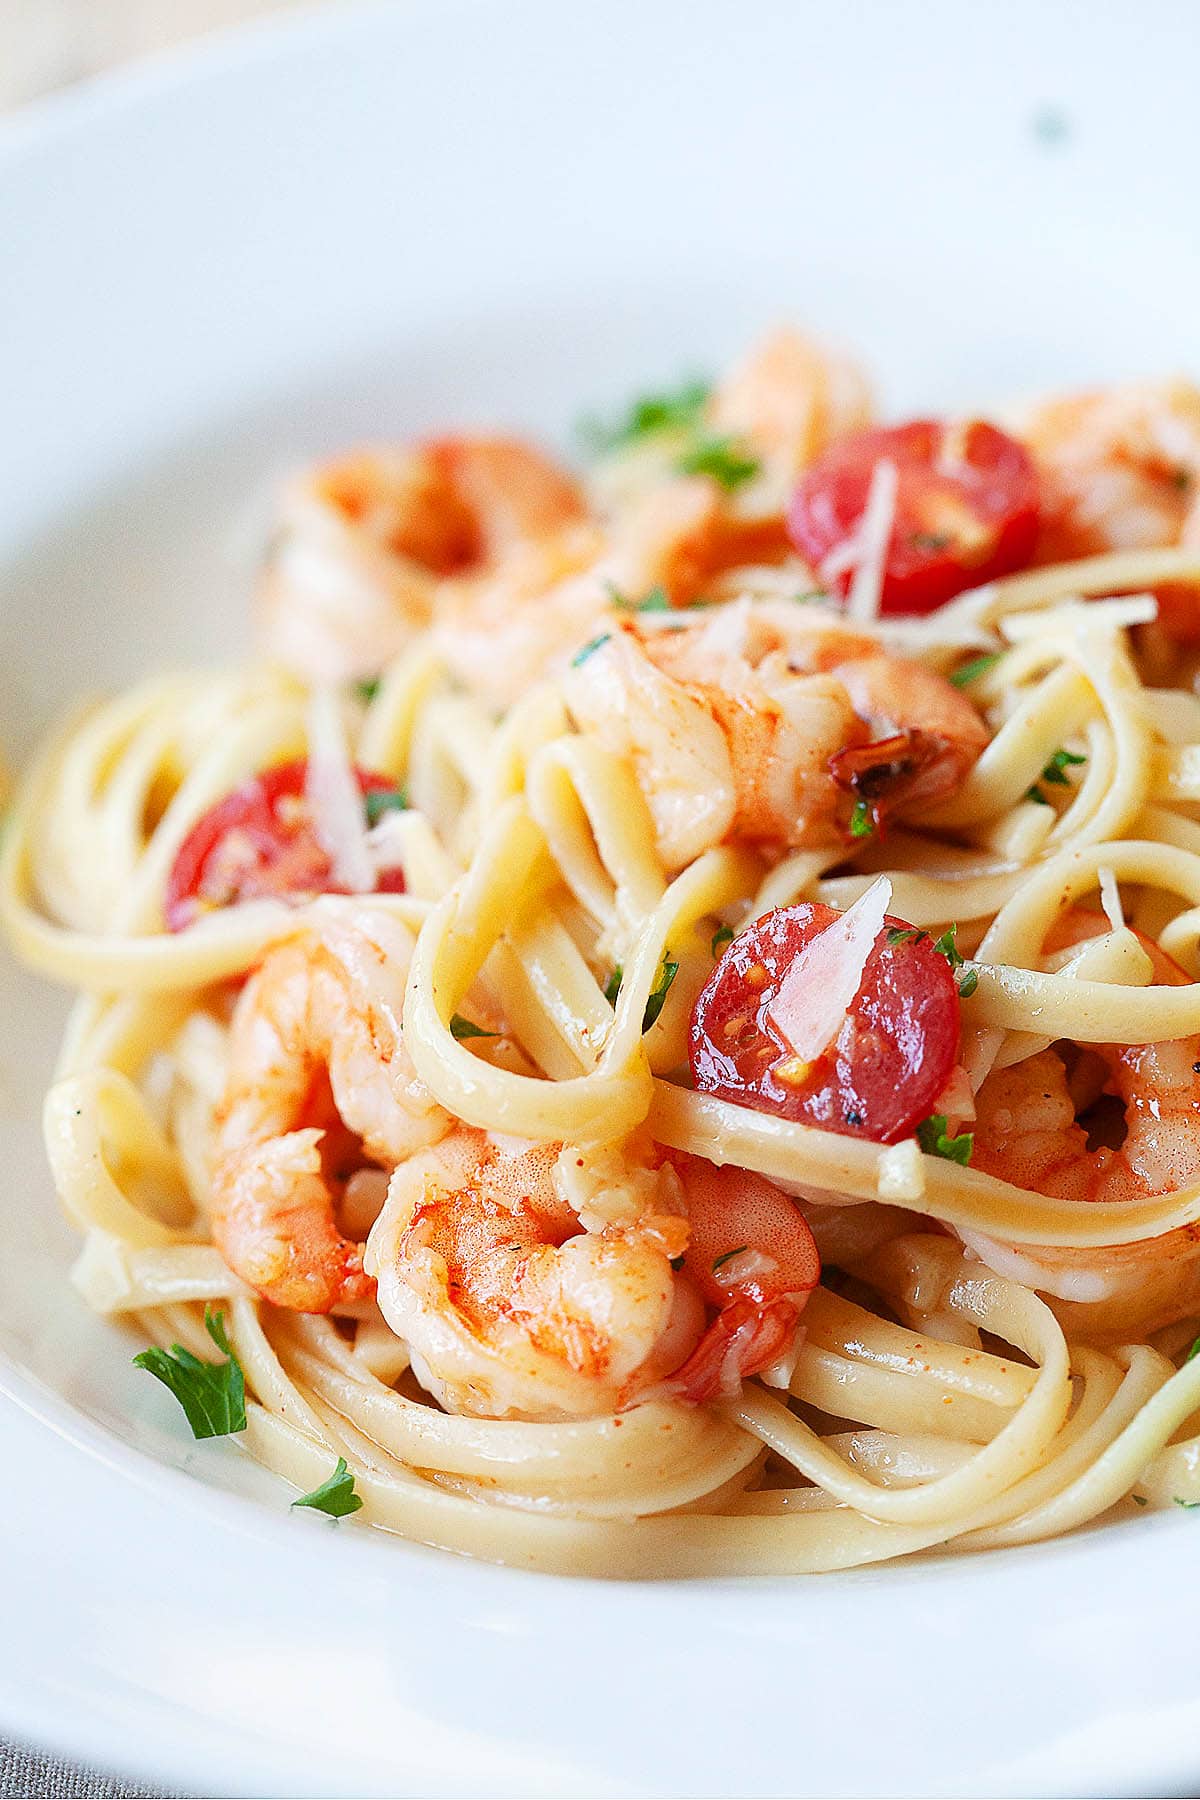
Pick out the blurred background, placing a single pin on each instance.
(45, 44)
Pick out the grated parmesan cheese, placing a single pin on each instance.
(332, 791)
(872, 540)
(815, 995)
(1110, 899)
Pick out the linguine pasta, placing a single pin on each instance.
(552, 872)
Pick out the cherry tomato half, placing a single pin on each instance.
(890, 1060)
(259, 842)
(966, 508)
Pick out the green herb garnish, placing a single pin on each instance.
(720, 458)
(933, 541)
(947, 946)
(675, 409)
(612, 986)
(932, 1137)
(861, 822)
(657, 600)
(911, 936)
(212, 1395)
(466, 1028)
(367, 690)
(971, 671)
(658, 993)
(720, 938)
(335, 1496)
(1139, 1499)
(589, 649)
(1187, 1505)
(384, 800)
(968, 984)
(1055, 773)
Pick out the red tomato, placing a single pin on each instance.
(966, 508)
(258, 841)
(890, 1060)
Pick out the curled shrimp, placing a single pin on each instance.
(758, 726)
(788, 400)
(1120, 468)
(1109, 1123)
(363, 543)
(537, 1280)
(316, 1059)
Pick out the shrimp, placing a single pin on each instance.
(1120, 469)
(758, 725)
(364, 543)
(536, 1281)
(315, 1055)
(788, 401)
(1105, 1123)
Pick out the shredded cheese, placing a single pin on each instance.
(1110, 899)
(873, 538)
(332, 791)
(1086, 615)
(814, 996)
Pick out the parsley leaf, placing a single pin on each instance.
(466, 1028)
(589, 649)
(657, 600)
(658, 993)
(384, 800)
(911, 936)
(1194, 1351)
(946, 946)
(720, 938)
(931, 1135)
(720, 458)
(968, 984)
(1055, 773)
(672, 409)
(932, 541)
(1139, 1499)
(212, 1395)
(861, 822)
(335, 1496)
(1187, 1505)
(612, 986)
(971, 671)
(367, 690)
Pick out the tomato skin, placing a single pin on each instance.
(966, 508)
(288, 862)
(889, 1062)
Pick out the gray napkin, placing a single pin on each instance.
(29, 1775)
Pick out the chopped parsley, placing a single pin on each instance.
(367, 690)
(932, 1137)
(720, 938)
(662, 986)
(212, 1395)
(1139, 1499)
(1187, 1505)
(932, 541)
(911, 936)
(384, 800)
(466, 1028)
(1194, 1351)
(657, 600)
(814, 597)
(589, 649)
(727, 1256)
(658, 993)
(1055, 773)
(947, 946)
(861, 822)
(335, 1496)
(720, 458)
(674, 409)
(971, 671)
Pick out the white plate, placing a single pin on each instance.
(368, 220)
